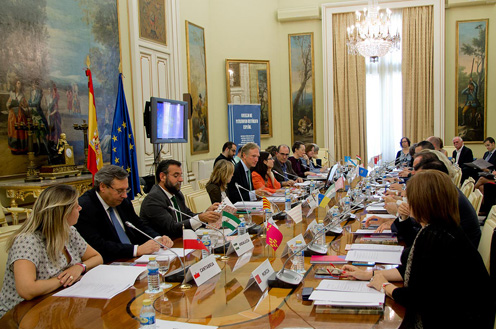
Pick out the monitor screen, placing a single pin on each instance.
(168, 121)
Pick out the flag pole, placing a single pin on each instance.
(224, 257)
(184, 285)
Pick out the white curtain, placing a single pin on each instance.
(384, 101)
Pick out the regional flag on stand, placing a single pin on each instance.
(329, 194)
(192, 241)
(363, 172)
(295, 214)
(230, 221)
(274, 236)
(95, 160)
(123, 149)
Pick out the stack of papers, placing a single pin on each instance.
(103, 282)
(249, 205)
(375, 253)
(180, 251)
(377, 209)
(347, 293)
(368, 231)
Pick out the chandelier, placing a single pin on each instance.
(371, 36)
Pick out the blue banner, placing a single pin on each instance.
(363, 172)
(244, 123)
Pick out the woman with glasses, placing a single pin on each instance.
(46, 252)
(262, 175)
(403, 157)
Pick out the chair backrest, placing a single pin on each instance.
(470, 179)
(458, 177)
(187, 190)
(200, 201)
(492, 214)
(467, 187)
(475, 199)
(5, 233)
(485, 241)
(202, 183)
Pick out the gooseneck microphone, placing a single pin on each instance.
(183, 286)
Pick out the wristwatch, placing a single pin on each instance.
(383, 289)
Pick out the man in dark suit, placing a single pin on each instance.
(228, 153)
(242, 174)
(490, 155)
(284, 171)
(462, 155)
(105, 210)
(155, 209)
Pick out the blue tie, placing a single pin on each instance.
(118, 228)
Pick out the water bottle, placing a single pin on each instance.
(153, 276)
(335, 213)
(242, 225)
(287, 199)
(299, 259)
(147, 315)
(312, 186)
(346, 204)
(206, 241)
(321, 240)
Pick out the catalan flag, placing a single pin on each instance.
(266, 204)
(95, 160)
(123, 147)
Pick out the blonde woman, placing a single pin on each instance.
(220, 177)
(46, 252)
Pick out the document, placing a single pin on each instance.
(347, 297)
(365, 231)
(163, 324)
(385, 257)
(376, 247)
(180, 251)
(346, 286)
(249, 205)
(103, 282)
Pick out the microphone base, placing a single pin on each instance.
(176, 276)
(315, 250)
(279, 216)
(185, 286)
(255, 229)
(288, 279)
(224, 258)
(220, 249)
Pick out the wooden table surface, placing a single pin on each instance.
(222, 301)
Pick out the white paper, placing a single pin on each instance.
(305, 183)
(348, 304)
(163, 324)
(250, 205)
(378, 216)
(347, 297)
(366, 231)
(346, 285)
(376, 208)
(275, 199)
(386, 257)
(103, 282)
(162, 252)
(376, 247)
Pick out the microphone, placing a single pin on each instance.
(288, 278)
(225, 257)
(243, 201)
(294, 176)
(175, 273)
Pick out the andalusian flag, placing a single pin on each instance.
(95, 161)
(230, 221)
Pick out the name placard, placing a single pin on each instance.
(203, 270)
(261, 275)
(240, 245)
(292, 243)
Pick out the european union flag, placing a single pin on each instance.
(363, 172)
(123, 147)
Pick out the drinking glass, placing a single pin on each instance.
(163, 268)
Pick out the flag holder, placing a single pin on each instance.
(224, 257)
(184, 285)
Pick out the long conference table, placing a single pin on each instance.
(222, 301)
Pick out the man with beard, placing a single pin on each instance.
(155, 209)
(105, 211)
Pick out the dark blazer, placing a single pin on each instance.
(240, 178)
(222, 157)
(214, 192)
(155, 212)
(492, 159)
(95, 227)
(297, 166)
(465, 156)
(289, 170)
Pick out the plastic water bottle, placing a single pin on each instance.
(242, 225)
(287, 199)
(312, 186)
(318, 229)
(147, 315)
(299, 259)
(335, 213)
(206, 241)
(153, 276)
(346, 204)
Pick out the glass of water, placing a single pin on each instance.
(163, 267)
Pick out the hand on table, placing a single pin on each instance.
(70, 275)
(354, 272)
(377, 281)
(148, 248)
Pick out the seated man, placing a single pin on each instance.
(283, 170)
(155, 209)
(105, 211)
(462, 155)
(242, 175)
(228, 153)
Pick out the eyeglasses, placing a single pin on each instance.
(270, 158)
(284, 154)
(121, 190)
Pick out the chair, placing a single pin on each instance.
(475, 199)
(458, 177)
(187, 190)
(138, 200)
(202, 183)
(486, 238)
(5, 233)
(199, 201)
(467, 187)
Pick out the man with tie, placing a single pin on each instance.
(156, 209)
(490, 155)
(105, 211)
(242, 174)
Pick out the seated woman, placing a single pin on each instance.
(46, 252)
(432, 295)
(403, 157)
(311, 150)
(219, 178)
(262, 175)
(299, 159)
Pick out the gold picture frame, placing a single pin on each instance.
(152, 21)
(248, 82)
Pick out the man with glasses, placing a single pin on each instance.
(284, 172)
(105, 211)
(228, 153)
(156, 208)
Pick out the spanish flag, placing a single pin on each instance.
(95, 161)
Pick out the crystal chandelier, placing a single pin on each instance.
(370, 36)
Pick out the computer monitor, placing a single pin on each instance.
(330, 176)
(166, 121)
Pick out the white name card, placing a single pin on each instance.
(261, 275)
(292, 243)
(240, 245)
(203, 270)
